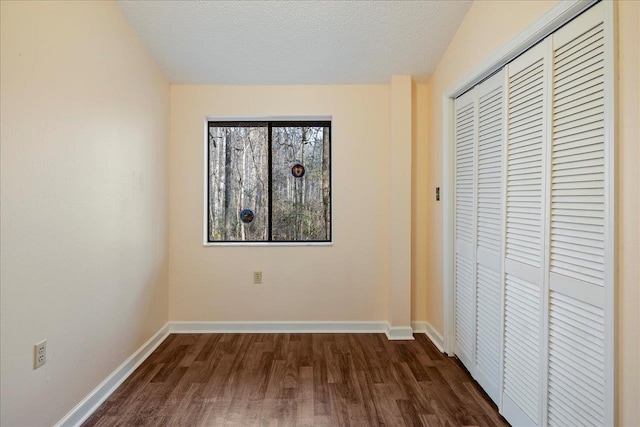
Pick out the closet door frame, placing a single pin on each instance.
(548, 23)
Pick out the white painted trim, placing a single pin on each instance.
(419, 327)
(547, 150)
(611, 415)
(98, 395)
(317, 118)
(553, 19)
(448, 226)
(424, 327)
(205, 182)
(435, 337)
(273, 327)
(274, 243)
(503, 224)
(472, 367)
(399, 333)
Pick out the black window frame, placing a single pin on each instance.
(269, 124)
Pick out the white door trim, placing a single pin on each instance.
(549, 22)
(611, 149)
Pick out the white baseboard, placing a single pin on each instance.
(278, 327)
(399, 333)
(434, 336)
(89, 404)
(419, 327)
(423, 327)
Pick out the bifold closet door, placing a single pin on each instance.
(479, 136)
(525, 237)
(534, 265)
(580, 276)
(465, 227)
(489, 227)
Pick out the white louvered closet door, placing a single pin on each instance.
(525, 237)
(489, 226)
(581, 197)
(534, 231)
(465, 226)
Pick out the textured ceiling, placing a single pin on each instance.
(295, 42)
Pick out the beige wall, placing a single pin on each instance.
(487, 26)
(84, 130)
(343, 282)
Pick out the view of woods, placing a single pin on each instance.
(239, 183)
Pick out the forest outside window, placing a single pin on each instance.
(269, 182)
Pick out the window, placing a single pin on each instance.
(269, 181)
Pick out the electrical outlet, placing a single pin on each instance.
(40, 356)
(257, 277)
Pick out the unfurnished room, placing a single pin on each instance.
(320, 213)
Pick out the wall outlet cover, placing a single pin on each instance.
(40, 354)
(257, 277)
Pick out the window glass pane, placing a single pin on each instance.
(301, 204)
(238, 182)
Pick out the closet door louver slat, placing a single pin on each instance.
(575, 166)
(576, 377)
(528, 201)
(578, 263)
(489, 234)
(524, 239)
(465, 220)
(465, 300)
(521, 381)
(490, 168)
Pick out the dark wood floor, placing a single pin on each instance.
(297, 380)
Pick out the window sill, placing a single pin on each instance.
(267, 244)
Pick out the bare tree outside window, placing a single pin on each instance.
(246, 203)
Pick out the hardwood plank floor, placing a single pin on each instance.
(297, 380)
